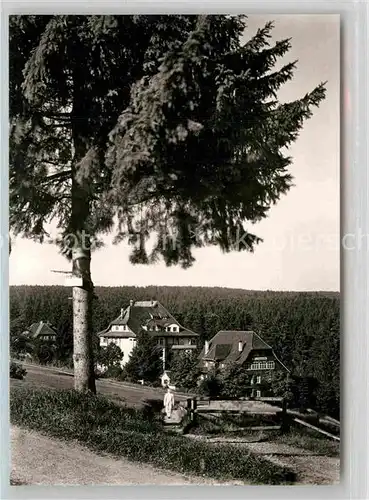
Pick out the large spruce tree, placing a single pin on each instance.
(164, 125)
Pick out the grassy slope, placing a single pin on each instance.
(105, 427)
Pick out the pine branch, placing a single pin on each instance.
(58, 176)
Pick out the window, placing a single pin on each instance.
(258, 379)
(270, 365)
(161, 341)
(258, 394)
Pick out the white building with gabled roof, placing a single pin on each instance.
(150, 316)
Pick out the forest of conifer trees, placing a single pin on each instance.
(303, 328)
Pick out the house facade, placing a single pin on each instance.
(245, 348)
(150, 316)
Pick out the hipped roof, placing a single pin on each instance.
(145, 313)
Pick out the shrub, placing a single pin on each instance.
(235, 382)
(110, 357)
(17, 371)
(43, 352)
(106, 427)
(184, 371)
(210, 386)
(111, 372)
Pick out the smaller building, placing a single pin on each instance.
(42, 331)
(164, 379)
(245, 348)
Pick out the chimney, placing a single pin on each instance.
(131, 302)
(240, 346)
(206, 347)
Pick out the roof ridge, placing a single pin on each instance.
(266, 343)
(284, 366)
(39, 328)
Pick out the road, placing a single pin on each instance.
(55, 378)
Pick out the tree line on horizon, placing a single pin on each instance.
(302, 327)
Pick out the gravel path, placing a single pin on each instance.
(310, 468)
(39, 460)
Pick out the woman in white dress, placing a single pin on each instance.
(168, 402)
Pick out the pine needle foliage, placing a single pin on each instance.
(170, 125)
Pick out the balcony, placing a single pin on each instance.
(178, 347)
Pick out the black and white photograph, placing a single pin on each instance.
(174, 249)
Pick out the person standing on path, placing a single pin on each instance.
(168, 402)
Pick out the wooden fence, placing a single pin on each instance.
(255, 407)
(268, 407)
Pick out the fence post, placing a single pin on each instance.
(285, 427)
(193, 404)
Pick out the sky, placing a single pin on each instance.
(302, 232)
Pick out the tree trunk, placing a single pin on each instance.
(84, 373)
(84, 377)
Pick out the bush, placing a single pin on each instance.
(152, 408)
(235, 382)
(43, 351)
(184, 371)
(111, 372)
(17, 371)
(210, 386)
(106, 427)
(109, 357)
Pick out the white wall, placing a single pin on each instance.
(126, 345)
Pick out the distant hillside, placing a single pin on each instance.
(302, 327)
